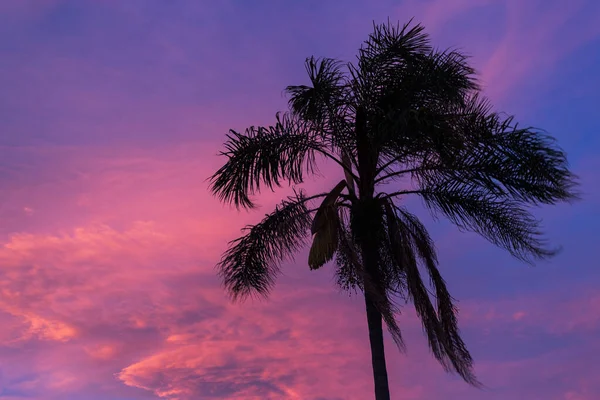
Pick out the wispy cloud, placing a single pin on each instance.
(112, 115)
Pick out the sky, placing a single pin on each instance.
(111, 117)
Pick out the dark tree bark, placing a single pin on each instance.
(380, 377)
(366, 223)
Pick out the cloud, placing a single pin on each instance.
(259, 351)
(538, 36)
(125, 286)
(130, 295)
(513, 43)
(109, 234)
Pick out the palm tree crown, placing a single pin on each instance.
(402, 110)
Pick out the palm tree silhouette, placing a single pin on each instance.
(402, 110)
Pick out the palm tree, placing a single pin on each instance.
(403, 110)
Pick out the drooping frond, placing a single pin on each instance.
(251, 263)
(264, 155)
(347, 161)
(326, 240)
(412, 245)
(348, 261)
(380, 290)
(388, 309)
(328, 203)
(352, 275)
(456, 352)
(326, 227)
(367, 224)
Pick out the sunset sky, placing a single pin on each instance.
(111, 116)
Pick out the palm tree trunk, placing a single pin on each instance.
(366, 222)
(374, 320)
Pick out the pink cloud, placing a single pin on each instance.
(435, 14)
(537, 36)
(519, 315)
(127, 289)
(107, 253)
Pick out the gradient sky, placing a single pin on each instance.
(111, 115)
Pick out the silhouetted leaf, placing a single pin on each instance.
(325, 241)
(321, 217)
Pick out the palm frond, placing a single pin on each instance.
(367, 225)
(405, 259)
(386, 51)
(347, 161)
(251, 263)
(456, 355)
(520, 163)
(264, 155)
(413, 246)
(483, 172)
(376, 291)
(351, 275)
(326, 227)
(504, 222)
(409, 104)
(325, 242)
(391, 44)
(386, 307)
(314, 103)
(348, 262)
(321, 216)
(442, 78)
(402, 83)
(327, 103)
